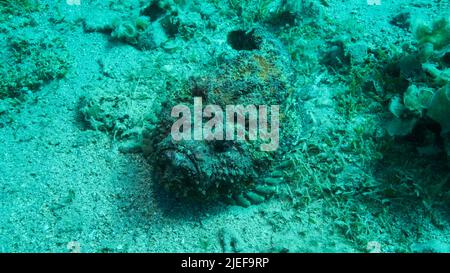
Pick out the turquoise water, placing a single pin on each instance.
(359, 91)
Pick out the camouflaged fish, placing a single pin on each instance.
(235, 171)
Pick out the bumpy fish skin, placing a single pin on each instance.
(236, 171)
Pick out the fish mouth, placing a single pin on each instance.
(178, 172)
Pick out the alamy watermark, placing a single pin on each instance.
(239, 122)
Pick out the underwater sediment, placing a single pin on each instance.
(89, 162)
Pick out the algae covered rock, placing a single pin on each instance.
(437, 34)
(30, 61)
(121, 116)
